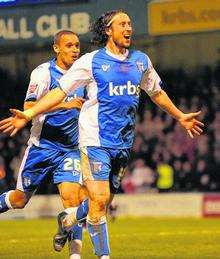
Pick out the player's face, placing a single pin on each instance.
(68, 50)
(121, 31)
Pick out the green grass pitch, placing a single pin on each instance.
(130, 238)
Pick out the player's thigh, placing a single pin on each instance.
(96, 167)
(119, 164)
(95, 164)
(37, 163)
(69, 194)
(68, 169)
(68, 177)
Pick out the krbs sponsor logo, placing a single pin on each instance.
(128, 89)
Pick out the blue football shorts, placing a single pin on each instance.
(38, 162)
(104, 164)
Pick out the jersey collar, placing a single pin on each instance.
(119, 57)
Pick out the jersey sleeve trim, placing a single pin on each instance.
(39, 82)
(150, 82)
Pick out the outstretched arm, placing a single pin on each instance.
(51, 99)
(75, 103)
(79, 74)
(187, 120)
(151, 83)
(13, 124)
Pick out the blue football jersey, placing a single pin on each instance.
(58, 129)
(107, 118)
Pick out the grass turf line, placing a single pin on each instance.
(130, 238)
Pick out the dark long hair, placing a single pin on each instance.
(99, 26)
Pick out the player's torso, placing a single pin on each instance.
(117, 81)
(59, 129)
(118, 96)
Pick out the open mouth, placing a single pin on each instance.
(127, 37)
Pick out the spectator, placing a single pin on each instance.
(165, 179)
(194, 164)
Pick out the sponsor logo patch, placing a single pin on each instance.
(105, 68)
(96, 166)
(140, 66)
(32, 88)
(127, 89)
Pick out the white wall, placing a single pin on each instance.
(171, 205)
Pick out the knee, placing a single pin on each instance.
(101, 202)
(97, 208)
(69, 199)
(19, 204)
(18, 200)
(69, 193)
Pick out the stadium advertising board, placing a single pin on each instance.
(44, 26)
(35, 24)
(183, 16)
(211, 205)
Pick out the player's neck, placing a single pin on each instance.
(114, 49)
(60, 64)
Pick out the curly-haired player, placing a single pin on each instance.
(113, 76)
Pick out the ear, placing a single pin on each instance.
(108, 31)
(56, 48)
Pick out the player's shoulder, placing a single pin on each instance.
(89, 55)
(140, 58)
(41, 71)
(138, 54)
(85, 61)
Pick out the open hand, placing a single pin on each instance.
(191, 124)
(12, 125)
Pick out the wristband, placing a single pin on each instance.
(29, 114)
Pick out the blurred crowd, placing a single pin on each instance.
(164, 158)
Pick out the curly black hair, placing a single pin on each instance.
(99, 26)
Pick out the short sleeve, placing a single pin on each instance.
(150, 82)
(79, 74)
(39, 83)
